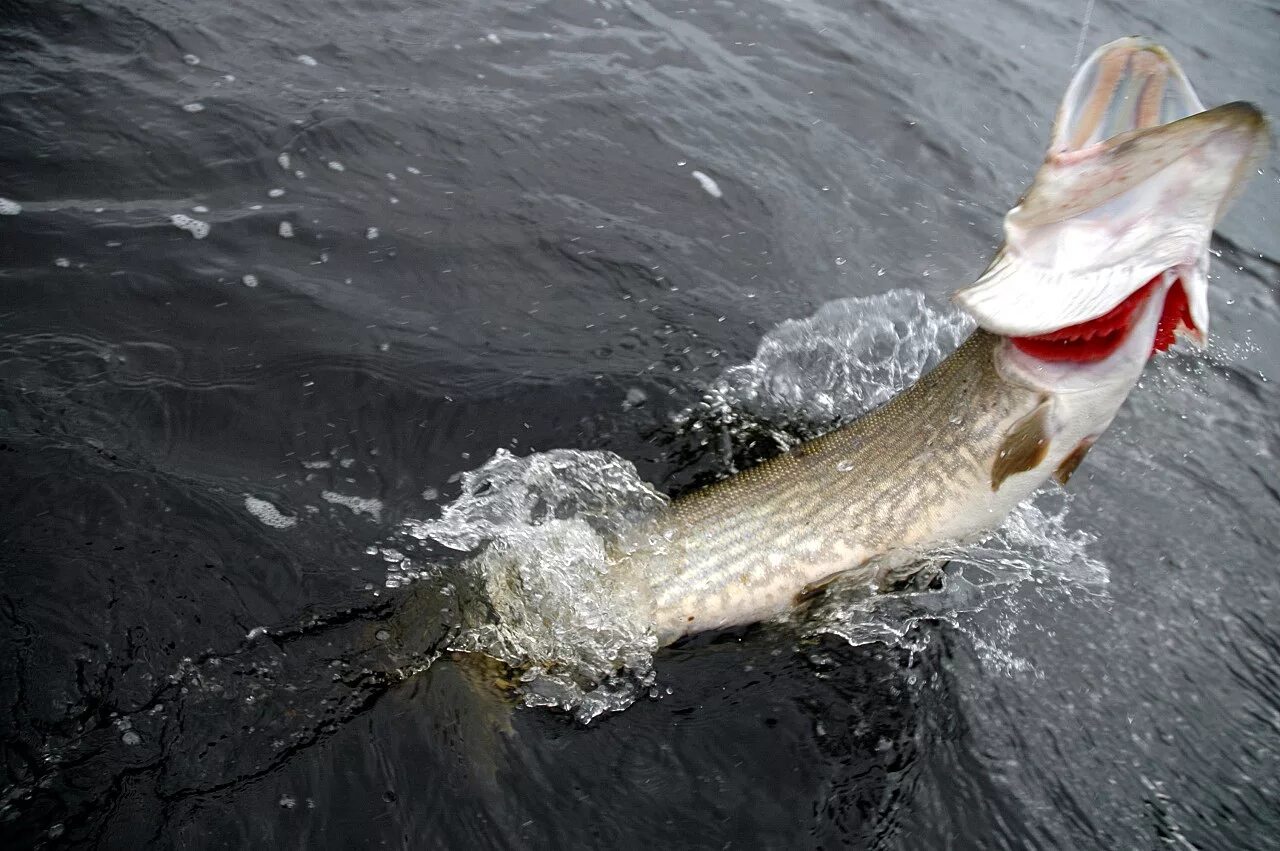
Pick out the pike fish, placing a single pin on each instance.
(1104, 263)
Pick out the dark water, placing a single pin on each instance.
(546, 272)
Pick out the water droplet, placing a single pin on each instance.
(193, 107)
(708, 184)
(286, 230)
(337, 166)
(195, 227)
(840, 261)
(191, 59)
(274, 193)
(131, 738)
(250, 280)
(309, 61)
(845, 466)
(382, 635)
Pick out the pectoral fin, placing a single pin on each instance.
(1025, 446)
(1069, 464)
(814, 589)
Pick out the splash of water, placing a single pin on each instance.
(508, 492)
(811, 374)
(1033, 544)
(541, 527)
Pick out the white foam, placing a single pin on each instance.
(9, 208)
(62, 263)
(336, 165)
(712, 188)
(283, 160)
(371, 233)
(193, 107)
(635, 397)
(249, 280)
(195, 227)
(191, 59)
(275, 193)
(309, 61)
(268, 514)
(357, 504)
(286, 230)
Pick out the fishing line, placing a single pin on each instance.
(1084, 29)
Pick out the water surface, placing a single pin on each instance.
(272, 276)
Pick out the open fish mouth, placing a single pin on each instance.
(1122, 210)
(1098, 339)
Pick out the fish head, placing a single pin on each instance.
(1111, 240)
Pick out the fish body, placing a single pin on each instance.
(942, 462)
(1105, 260)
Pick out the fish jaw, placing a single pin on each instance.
(1136, 177)
(1099, 384)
